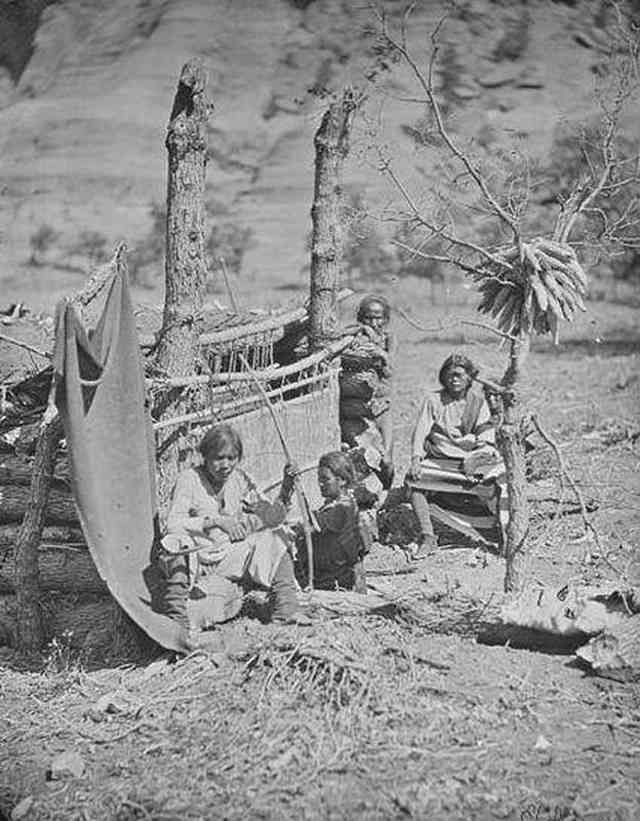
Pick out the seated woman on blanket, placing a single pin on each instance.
(366, 394)
(454, 423)
(222, 534)
(338, 546)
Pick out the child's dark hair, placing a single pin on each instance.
(457, 360)
(339, 464)
(370, 300)
(218, 436)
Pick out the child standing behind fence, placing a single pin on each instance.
(338, 548)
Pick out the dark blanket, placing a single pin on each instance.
(101, 398)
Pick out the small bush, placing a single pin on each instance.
(91, 244)
(40, 242)
(225, 238)
(515, 40)
(149, 252)
(364, 251)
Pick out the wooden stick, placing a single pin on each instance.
(24, 345)
(273, 372)
(227, 282)
(308, 522)
(207, 415)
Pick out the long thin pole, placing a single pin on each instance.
(227, 282)
(308, 520)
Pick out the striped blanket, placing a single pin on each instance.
(470, 497)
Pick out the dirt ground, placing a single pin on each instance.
(418, 710)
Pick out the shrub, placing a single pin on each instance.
(226, 239)
(40, 241)
(515, 40)
(149, 252)
(91, 244)
(364, 251)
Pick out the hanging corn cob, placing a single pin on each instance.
(539, 284)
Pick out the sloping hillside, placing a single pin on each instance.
(82, 131)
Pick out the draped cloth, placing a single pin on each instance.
(466, 496)
(101, 400)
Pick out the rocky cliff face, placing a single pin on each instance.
(83, 119)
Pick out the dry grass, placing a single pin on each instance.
(416, 708)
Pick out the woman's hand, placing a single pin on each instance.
(467, 442)
(289, 474)
(235, 528)
(415, 467)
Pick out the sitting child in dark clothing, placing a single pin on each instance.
(337, 546)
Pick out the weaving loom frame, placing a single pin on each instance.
(305, 392)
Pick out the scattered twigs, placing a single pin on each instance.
(565, 474)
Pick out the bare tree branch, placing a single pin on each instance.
(427, 86)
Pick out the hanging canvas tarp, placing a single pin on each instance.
(101, 397)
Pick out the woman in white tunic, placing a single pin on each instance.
(222, 534)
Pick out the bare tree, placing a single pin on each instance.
(332, 146)
(528, 284)
(185, 266)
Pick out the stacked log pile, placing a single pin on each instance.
(74, 595)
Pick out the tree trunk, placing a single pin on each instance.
(185, 271)
(510, 438)
(332, 146)
(29, 624)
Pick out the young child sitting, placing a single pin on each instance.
(221, 534)
(337, 546)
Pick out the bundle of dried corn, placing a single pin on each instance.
(532, 287)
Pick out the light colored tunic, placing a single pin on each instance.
(220, 565)
(443, 422)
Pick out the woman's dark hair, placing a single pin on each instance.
(339, 464)
(370, 300)
(217, 437)
(457, 360)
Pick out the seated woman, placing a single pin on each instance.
(338, 547)
(222, 534)
(454, 423)
(366, 384)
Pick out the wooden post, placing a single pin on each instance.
(332, 146)
(29, 623)
(185, 271)
(510, 440)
